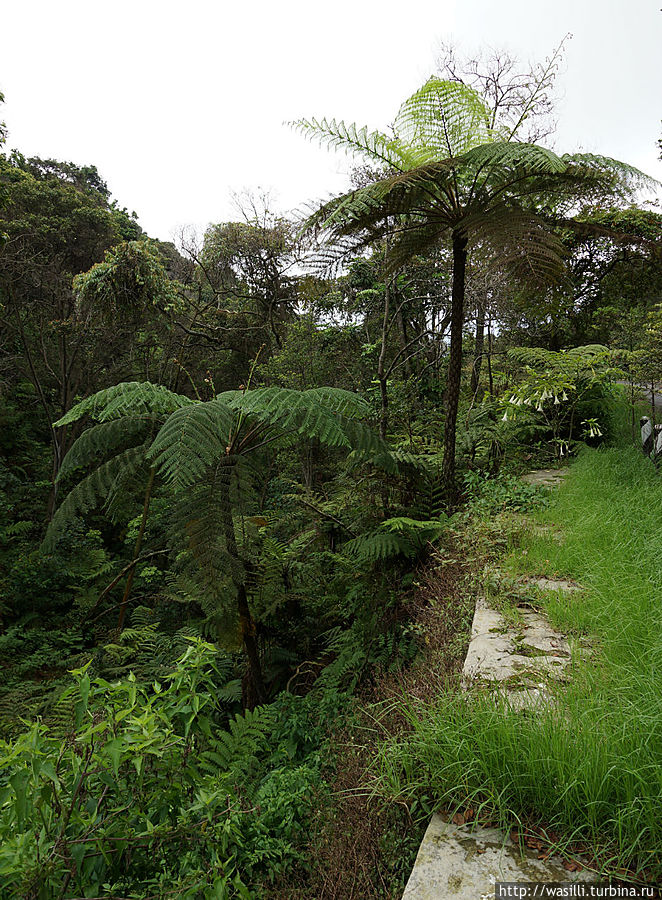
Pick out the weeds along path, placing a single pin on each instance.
(582, 772)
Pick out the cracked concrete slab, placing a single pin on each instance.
(523, 655)
(545, 477)
(464, 864)
(517, 660)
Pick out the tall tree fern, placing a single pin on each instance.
(210, 458)
(450, 173)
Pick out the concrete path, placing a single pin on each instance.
(548, 478)
(516, 659)
(456, 863)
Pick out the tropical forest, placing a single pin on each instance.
(322, 531)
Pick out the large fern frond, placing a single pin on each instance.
(372, 145)
(103, 438)
(443, 119)
(95, 490)
(192, 438)
(127, 398)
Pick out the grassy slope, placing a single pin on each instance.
(590, 769)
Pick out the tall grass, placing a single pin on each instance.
(590, 766)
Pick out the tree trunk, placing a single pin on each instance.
(381, 366)
(404, 340)
(454, 367)
(137, 549)
(478, 348)
(255, 692)
(489, 357)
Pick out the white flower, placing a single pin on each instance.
(505, 417)
(565, 396)
(556, 400)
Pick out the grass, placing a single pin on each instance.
(588, 769)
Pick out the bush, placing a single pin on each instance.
(137, 791)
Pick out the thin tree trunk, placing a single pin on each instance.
(454, 367)
(136, 552)
(489, 356)
(404, 339)
(256, 692)
(478, 348)
(381, 366)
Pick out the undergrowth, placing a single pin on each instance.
(588, 768)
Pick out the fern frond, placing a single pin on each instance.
(373, 145)
(375, 547)
(237, 750)
(588, 165)
(191, 439)
(127, 398)
(399, 536)
(94, 490)
(514, 158)
(103, 439)
(326, 414)
(443, 119)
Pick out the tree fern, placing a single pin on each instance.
(458, 180)
(209, 457)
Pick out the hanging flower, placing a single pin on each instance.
(505, 417)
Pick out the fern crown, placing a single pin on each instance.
(445, 170)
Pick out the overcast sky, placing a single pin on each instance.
(181, 104)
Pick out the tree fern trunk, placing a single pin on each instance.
(381, 365)
(254, 692)
(454, 367)
(138, 547)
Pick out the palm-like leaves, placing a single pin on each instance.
(448, 175)
(208, 455)
(446, 170)
(204, 450)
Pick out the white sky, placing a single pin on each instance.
(180, 104)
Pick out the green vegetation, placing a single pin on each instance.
(588, 768)
(247, 498)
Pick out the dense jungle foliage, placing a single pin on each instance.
(228, 468)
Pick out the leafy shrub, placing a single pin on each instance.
(489, 495)
(141, 793)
